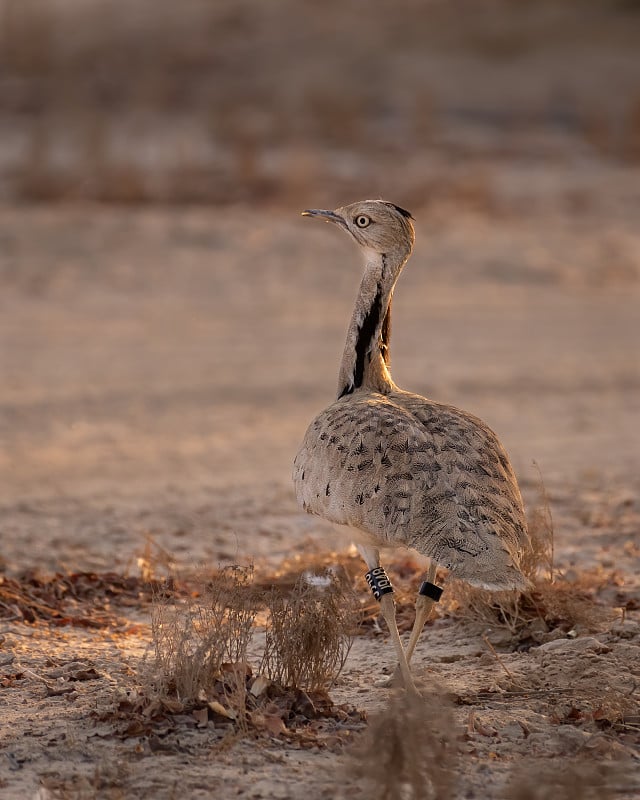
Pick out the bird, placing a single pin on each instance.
(396, 469)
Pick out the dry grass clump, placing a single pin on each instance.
(308, 635)
(154, 563)
(194, 641)
(409, 750)
(537, 561)
(201, 661)
(568, 780)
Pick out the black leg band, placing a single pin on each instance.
(430, 590)
(378, 582)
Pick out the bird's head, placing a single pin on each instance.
(377, 226)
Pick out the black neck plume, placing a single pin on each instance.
(385, 336)
(367, 330)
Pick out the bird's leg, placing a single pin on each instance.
(428, 596)
(382, 590)
(388, 608)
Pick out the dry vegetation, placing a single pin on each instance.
(201, 661)
(204, 658)
(410, 749)
(195, 638)
(243, 656)
(308, 632)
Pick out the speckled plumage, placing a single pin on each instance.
(407, 471)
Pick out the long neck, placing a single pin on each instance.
(366, 351)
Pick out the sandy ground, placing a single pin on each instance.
(159, 369)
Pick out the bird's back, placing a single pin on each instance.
(410, 471)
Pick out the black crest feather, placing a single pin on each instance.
(403, 211)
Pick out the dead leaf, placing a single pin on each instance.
(218, 708)
(274, 725)
(201, 716)
(55, 690)
(270, 723)
(135, 728)
(484, 730)
(152, 709)
(259, 685)
(63, 671)
(84, 675)
(303, 705)
(172, 706)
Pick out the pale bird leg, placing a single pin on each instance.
(388, 608)
(371, 555)
(424, 605)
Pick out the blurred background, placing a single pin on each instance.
(168, 323)
(245, 101)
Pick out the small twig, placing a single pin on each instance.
(35, 675)
(498, 659)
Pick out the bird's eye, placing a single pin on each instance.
(362, 220)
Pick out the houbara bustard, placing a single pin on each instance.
(400, 470)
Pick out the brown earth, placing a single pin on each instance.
(159, 369)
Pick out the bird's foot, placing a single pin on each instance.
(388, 683)
(393, 681)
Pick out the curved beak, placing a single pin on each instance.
(328, 216)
